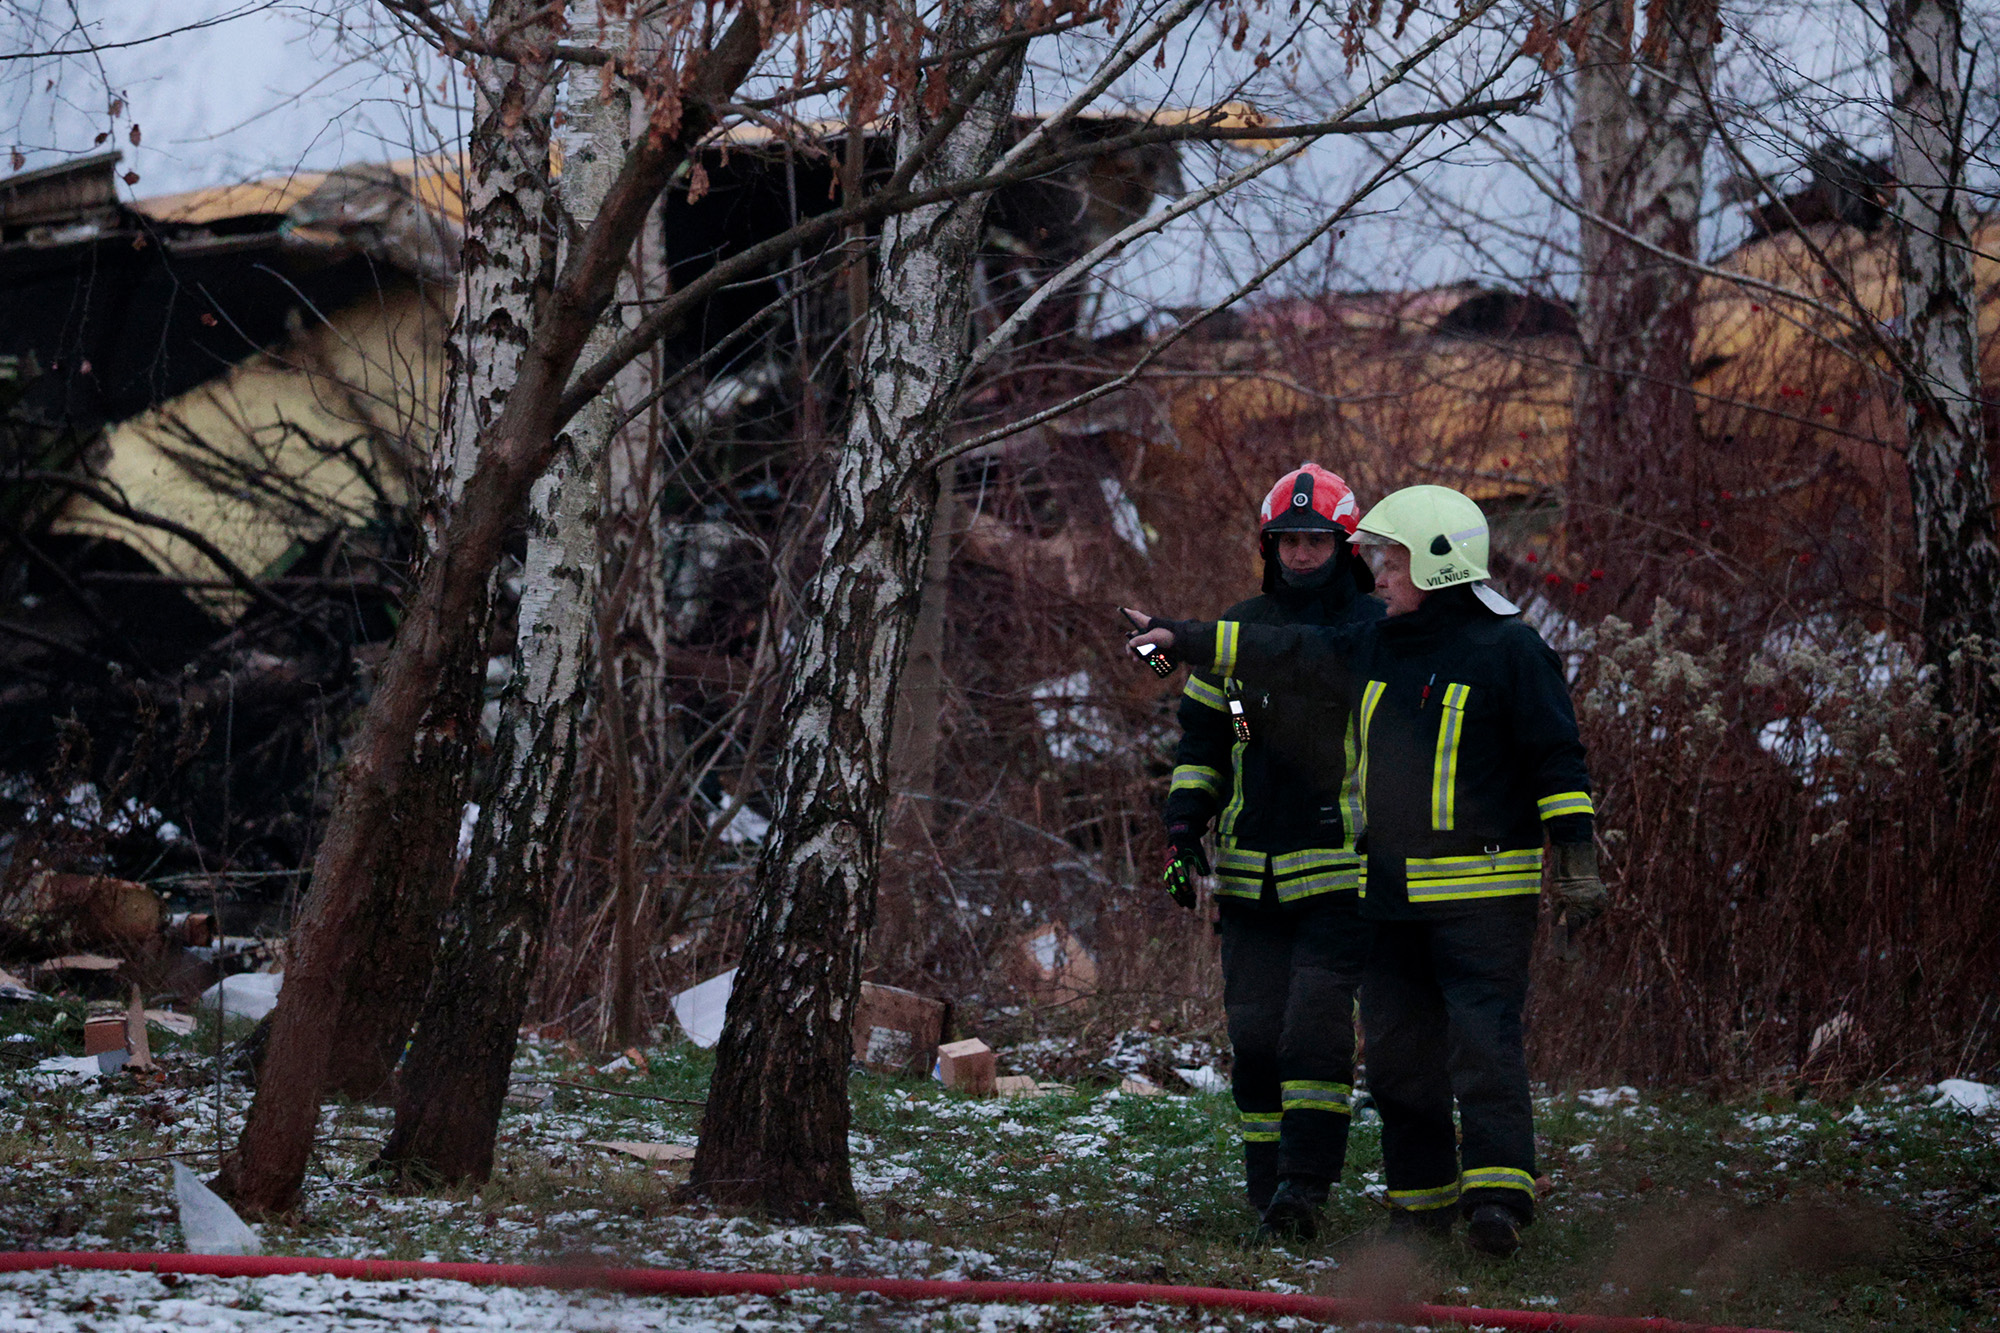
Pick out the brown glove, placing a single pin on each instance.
(1574, 883)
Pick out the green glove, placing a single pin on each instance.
(1185, 860)
(1575, 885)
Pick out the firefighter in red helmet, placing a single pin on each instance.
(1273, 771)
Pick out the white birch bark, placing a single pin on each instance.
(450, 1106)
(1951, 489)
(775, 1132)
(1640, 130)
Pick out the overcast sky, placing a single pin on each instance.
(248, 88)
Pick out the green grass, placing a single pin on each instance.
(1853, 1213)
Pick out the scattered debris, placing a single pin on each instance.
(95, 909)
(894, 1028)
(250, 995)
(75, 1068)
(13, 988)
(137, 1045)
(700, 1009)
(77, 962)
(1134, 1086)
(1962, 1094)
(103, 1032)
(208, 1225)
(1203, 1079)
(967, 1066)
(530, 1096)
(178, 1024)
(1837, 1031)
(191, 930)
(1024, 1085)
(645, 1152)
(1054, 967)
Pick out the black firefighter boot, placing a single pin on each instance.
(1494, 1231)
(1294, 1210)
(1260, 1173)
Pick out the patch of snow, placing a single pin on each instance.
(1962, 1094)
(1604, 1099)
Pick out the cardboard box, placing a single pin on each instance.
(1053, 967)
(104, 1033)
(968, 1066)
(895, 1030)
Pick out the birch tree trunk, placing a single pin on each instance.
(1639, 133)
(774, 1135)
(455, 1081)
(1951, 488)
(264, 1175)
(358, 961)
(510, 262)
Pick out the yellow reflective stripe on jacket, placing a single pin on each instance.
(1566, 803)
(1417, 1201)
(1225, 825)
(1444, 776)
(1239, 871)
(1197, 777)
(1243, 860)
(1312, 858)
(1496, 1178)
(1325, 881)
(1350, 786)
(1315, 870)
(1302, 1094)
(1205, 694)
(1259, 1126)
(1492, 875)
(1370, 696)
(1225, 646)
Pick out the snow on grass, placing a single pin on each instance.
(1084, 1184)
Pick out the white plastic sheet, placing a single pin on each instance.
(249, 995)
(699, 1009)
(1962, 1094)
(208, 1225)
(1203, 1079)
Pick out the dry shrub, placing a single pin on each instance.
(1801, 879)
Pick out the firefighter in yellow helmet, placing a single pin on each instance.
(1273, 771)
(1469, 760)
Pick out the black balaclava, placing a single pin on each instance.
(1342, 569)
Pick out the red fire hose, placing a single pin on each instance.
(678, 1282)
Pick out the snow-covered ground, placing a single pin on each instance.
(1118, 1187)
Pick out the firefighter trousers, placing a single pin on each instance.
(1441, 1006)
(1289, 974)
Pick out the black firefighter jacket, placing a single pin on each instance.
(1468, 742)
(1286, 801)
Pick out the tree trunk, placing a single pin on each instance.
(1635, 469)
(456, 1080)
(1951, 489)
(774, 1135)
(893, 945)
(264, 1174)
(510, 261)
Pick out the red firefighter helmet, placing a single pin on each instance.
(1310, 499)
